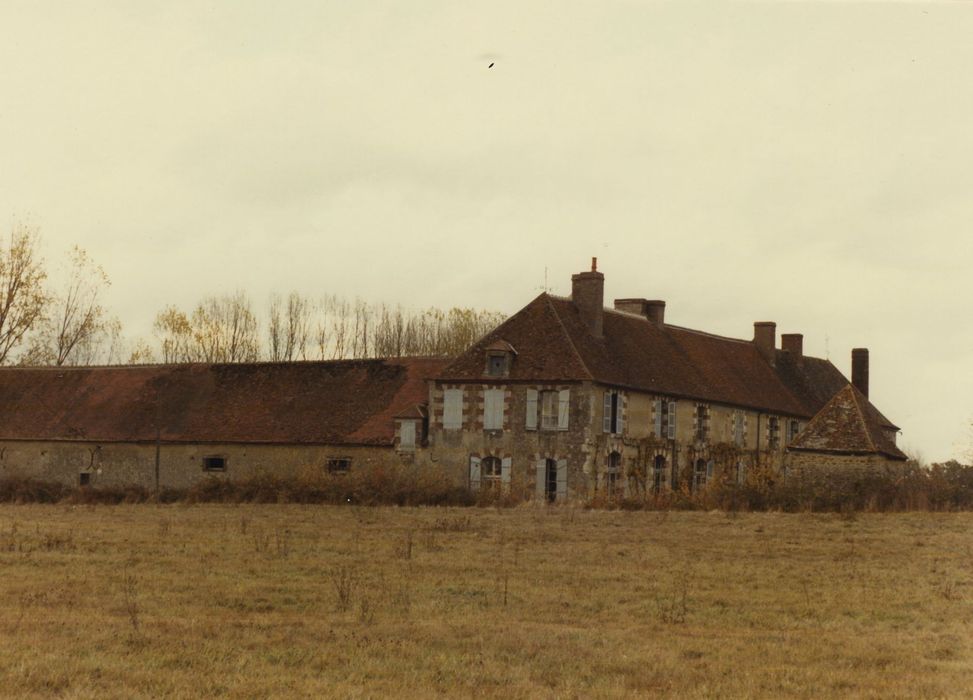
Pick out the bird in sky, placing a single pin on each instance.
(490, 66)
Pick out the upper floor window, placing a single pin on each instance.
(665, 419)
(793, 428)
(739, 428)
(701, 420)
(493, 409)
(773, 432)
(612, 420)
(407, 434)
(551, 406)
(453, 409)
(497, 364)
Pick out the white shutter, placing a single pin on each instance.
(407, 433)
(563, 408)
(453, 409)
(505, 471)
(474, 473)
(709, 469)
(607, 417)
(562, 479)
(493, 409)
(620, 412)
(672, 420)
(658, 418)
(541, 479)
(532, 409)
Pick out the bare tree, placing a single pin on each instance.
(76, 328)
(175, 334)
(22, 295)
(289, 327)
(225, 329)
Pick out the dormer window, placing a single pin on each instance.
(499, 357)
(497, 364)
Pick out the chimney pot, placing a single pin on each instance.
(594, 264)
(859, 370)
(765, 338)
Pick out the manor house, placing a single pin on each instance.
(566, 398)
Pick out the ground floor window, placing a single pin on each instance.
(658, 474)
(339, 465)
(613, 480)
(700, 473)
(84, 479)
(214, 463)
(491, 471)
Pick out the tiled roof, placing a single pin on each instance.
(342, 402)
(848, 424)
(553, 344)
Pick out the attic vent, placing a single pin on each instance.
(214, 464)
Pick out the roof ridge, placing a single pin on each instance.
(567, 336)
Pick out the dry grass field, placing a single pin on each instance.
(288, 601)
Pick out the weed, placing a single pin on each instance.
(345, 581)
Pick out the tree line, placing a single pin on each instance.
(67, 324)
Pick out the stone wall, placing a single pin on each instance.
(180, 466)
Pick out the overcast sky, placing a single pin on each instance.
(806, 163)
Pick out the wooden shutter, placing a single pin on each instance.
(541, 478)
(671, 426)
(532, 409)
(607, 418)
(658, 418)
(562, 479)
(493, 409)
(620, 413)
(563, 408)
(452, 409)
(474, 473)
(505, 471)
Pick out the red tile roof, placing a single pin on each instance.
(553, 344)
(342, 402)
(847, 424)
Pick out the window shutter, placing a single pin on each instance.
(562, 479)
(541, 478)
(532, 409)
(709, 469)
(620, 427)
(474, 473)
(452, 409)
(657, 431)
(407, 433)
(607, 415)
(505, 471)
(563, 407)
(671, 427)
(493, 409)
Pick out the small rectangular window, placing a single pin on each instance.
(496, 365)
(214, 464)
(84, 479)
(339, 465)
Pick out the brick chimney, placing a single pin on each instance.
(859, 369)
(652, 309)
(793, 343)
(765, 338)
(588, 294)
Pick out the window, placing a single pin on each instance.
(793, 428)
(491, 470)
(84, 478)
(665, 419)
(453, 409)
(659, 474)
(701, 472)
(739, 429)
(701, 420)
(549, 406)
(497, 364)
(553, 406)
(214, 464)
(612, 475)
(612, 416)
(493, 409)
(339, 465)
(773, 432)
(407, 434)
